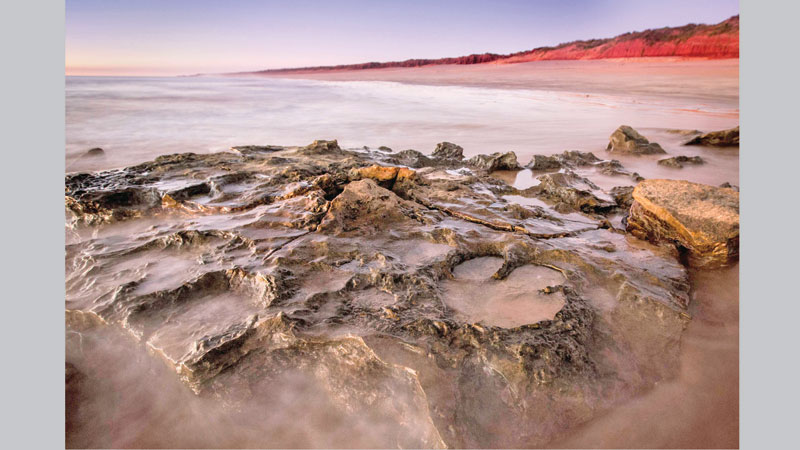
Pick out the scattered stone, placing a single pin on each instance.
(730, 186)
(384, 148)
(678, 161)
(448, 151)
(541, 162)
(683, 132)
(97, 151)
(495, 161)
(724, 138)
(701, 220)
(577, 158)
(627, 140)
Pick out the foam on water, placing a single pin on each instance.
(137, 119)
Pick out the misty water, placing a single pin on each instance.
(137, 119)
(134, 400)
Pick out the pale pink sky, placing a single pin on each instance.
(148, 37)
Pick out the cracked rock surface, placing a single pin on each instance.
(403, 288)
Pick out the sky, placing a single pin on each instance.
(180, 37)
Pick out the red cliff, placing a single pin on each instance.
(689, 41)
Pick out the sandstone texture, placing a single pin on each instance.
(701, 221)
(252, 271)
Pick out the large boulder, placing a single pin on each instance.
(724, 138)
(495, 161)
(701, 221)
(627, 140)
(448, 151)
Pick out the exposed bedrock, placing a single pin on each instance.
(345, 272)
(627, 140)
(571, 191)
(724, 138)
(701, 221)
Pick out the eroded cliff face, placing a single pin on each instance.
(716, 41)
(255, 271)
(708, 41)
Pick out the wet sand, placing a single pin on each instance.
(712, 82)
(532, 108)
(698, 409)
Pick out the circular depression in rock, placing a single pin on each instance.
(476, 297)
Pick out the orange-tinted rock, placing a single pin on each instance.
(701, 221)
(384, 173)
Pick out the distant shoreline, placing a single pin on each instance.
(719, 41)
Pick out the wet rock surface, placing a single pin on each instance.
(573, 159)
(573, 192)
(679, 161)
(448, 151)
(724, 138)
(342, 269)
(495, 161)
(701, 221)
(627, 140)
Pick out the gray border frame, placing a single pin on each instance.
(768, 164)
(32, 36)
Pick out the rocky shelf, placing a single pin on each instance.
(347, 268)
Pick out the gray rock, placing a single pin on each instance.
(574, 191)
(678, 161)
(541, 162)
(412, 158)
(448, 150)
(495, 161)
(724, 138)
